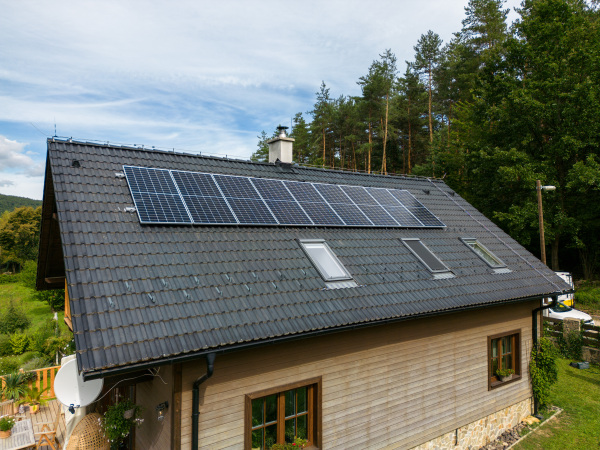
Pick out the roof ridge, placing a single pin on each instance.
(56, 139)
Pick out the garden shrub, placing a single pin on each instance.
(38, 362)
(19, 343)
(8, 364)
(571, 346)
(40, 336)
(543, 371)
(5, 347)
(8, 278)
(13, 319)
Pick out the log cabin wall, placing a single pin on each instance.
(396, 385)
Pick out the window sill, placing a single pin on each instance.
(498, 383)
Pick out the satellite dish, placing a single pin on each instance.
(71, 390)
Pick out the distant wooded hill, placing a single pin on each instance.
(10, 202)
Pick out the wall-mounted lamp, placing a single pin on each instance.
(161, 409)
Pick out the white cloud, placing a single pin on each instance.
(14, 157)
(22, 186)
(202, 75)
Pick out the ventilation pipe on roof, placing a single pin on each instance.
(280, 148)
(210, 366)
(534, 316)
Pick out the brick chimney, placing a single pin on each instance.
(280, 148)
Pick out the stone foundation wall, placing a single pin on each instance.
(479, 433)
(591, 354)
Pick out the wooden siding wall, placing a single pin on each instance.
(155, 435)
(396, 385)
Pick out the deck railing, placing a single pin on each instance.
(44, 379)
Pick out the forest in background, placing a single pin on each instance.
(10, 202)
(491, 111)
(30, 337)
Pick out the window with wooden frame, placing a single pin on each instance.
(504, 352)
(278, 415)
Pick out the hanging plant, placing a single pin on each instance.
(118, 421)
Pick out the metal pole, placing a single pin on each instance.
(541, 214)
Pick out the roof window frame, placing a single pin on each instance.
(468, 241)
(318, 266)
(433, 271)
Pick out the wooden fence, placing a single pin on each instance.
(553, 327)
(44, 379)
(591, 335)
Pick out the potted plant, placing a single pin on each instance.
(14, 387)
(6, 424)
(297, 444)
(118, 421)
(505, 374)
(34, 397)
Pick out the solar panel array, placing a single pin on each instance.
(164, 196)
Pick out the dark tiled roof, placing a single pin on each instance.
(144, 293)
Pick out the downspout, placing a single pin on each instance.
(534, 316)
(210, 365)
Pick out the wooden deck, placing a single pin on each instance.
(47, 413)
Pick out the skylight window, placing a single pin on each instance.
(328, 265)
(483, 253)
(426, 256)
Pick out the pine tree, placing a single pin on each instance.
(321, 123)
(428, 52)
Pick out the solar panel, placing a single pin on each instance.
(155, 196)
(303, 192)
(193, 183)
(350, 214)
(383, 197)
(406, 198)
(288, 213)
(403, 216)
(236, 187)
(378, 215)
(359, 195)
(209, 210)
(272, 189)
(321, 213)
(251, 212)
(179, 197)
(332, 193)
(157, 181)
(425, 217)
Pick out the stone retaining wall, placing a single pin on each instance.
(481, 432)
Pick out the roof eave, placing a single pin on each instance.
(102, 373)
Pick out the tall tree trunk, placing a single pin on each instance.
(409, 140)
(370, 147)
(403, 157)
(324, 156)
(554, 249)
(384, 162)
(588, 258)
(430, 119)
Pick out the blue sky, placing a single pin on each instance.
(196, 76)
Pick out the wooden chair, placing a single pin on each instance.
(47, 435)
(7, 408)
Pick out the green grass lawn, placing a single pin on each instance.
(587, 297)
(38, 312)
(577, 392)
